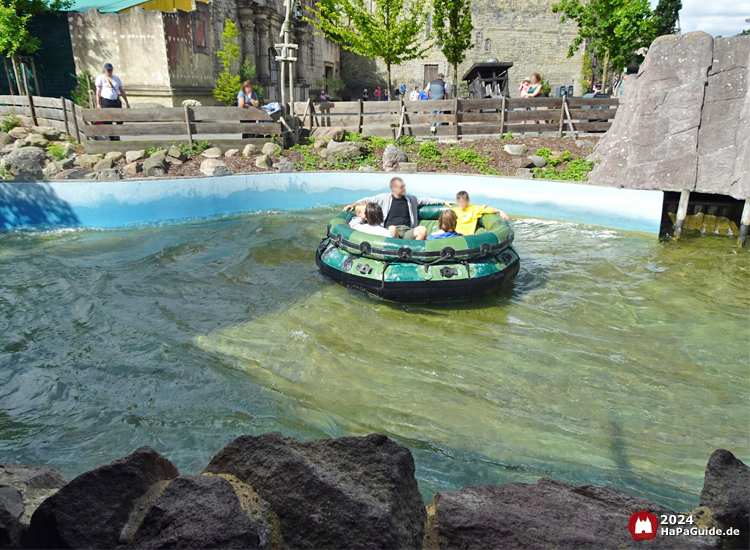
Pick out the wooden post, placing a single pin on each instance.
(28, 96)
(75, 119)
(681, 214)
(744, 223)
(65, 116)
(570, 122)
(36, 80)
(17, 72)
(455, 117)
(502, 116)
(360, 110)
(562, 116)
(401, 123)
(187, 123)
(10, 80)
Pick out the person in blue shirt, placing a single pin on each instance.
(247, 97)
(423, 93)
(447, 226)
(402, 88)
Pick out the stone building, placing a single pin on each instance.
(167, 57)
(524, 32)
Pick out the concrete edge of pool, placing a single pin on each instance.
(112, 204)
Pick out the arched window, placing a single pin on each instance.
(272, 69)
(487, 44)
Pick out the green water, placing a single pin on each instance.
(614, 359)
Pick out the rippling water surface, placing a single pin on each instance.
(613, 359)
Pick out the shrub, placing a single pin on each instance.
(153, 150)
(81, 95)
(57, 151)
(10, 122)
(196, 149)
(576, 170)
(429, 151)
(471, 158)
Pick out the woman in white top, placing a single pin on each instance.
(109, 89)
(373, 221)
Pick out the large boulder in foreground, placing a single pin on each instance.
(91, 510)
(544, 515)
(350, 492)
(11, 511)
(196, 512)
(392, 156)
(34, 485)
(726, 492)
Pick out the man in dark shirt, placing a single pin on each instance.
(401, 210)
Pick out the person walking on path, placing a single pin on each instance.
(108, 91)
(402, 88)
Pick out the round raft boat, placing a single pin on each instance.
(456, 268)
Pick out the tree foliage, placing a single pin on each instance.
(665, 16)
(15, 15)
(453, 26)
(615, 29)
(392, 31)
(228, 86)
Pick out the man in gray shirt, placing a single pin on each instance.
(401, 211)
(436, 91)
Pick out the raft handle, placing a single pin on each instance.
(448, 272)
(364, 269)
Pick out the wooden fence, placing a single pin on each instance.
(460, 118)
(60, 113)
(222, 126)
(143, 128)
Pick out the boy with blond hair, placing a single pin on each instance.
(468, 214)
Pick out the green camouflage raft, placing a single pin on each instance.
(456, 268)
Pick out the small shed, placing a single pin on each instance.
(488, 79)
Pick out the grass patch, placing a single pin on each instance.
(10, 122)
(470, 157)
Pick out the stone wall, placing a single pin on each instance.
(524, 32)
(132, 42)
(684, 120)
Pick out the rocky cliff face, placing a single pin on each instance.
(684, 120)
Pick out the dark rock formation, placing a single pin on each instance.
(726, 492)
(11, 510)
(683, 121)
(544, 515)
(196, 512)
(34, 485)
(91, 510)
(350, 492)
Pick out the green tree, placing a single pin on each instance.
(615, 29)
(665, 16)
(227, 86)
(453, 26)
(587, 74)
(392, 31)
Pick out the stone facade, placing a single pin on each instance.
(165, 58)
(524, 32)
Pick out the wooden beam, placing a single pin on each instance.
(187, 124)
(65, 115)
(502, 116)
(455, 118)
(359, 116)
(681, 213)
(28, 95)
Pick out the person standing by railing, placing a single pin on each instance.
(108, 91)
(436, 91)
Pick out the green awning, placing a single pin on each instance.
(104, 6)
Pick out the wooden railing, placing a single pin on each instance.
(58, 112)
(222, 126)
(462, 117)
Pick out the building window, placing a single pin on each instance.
(487, 44)
(428, 26)
(479, 39)
(311, 56)
(337, 69)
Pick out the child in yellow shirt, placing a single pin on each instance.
(468, 214)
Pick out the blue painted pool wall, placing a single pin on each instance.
(130, 202)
